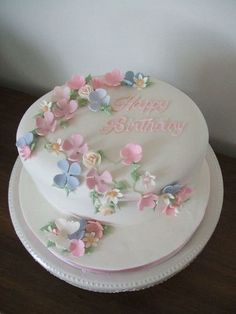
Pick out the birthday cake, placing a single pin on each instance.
(119, 151)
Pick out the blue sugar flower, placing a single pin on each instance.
(129, 78)
(172, 188)
(68, 179)
(97, 99)
(25, 140)
(79, 234)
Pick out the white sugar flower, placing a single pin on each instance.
(140, 81)
(113, 196)
(149, 180)
(46, 106)
(63, 229)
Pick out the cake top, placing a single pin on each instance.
(114, 141)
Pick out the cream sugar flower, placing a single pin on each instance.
(113, 196)
(84, 91)
(46, 106)
(91, 159)
(140, 81)
(148, 180)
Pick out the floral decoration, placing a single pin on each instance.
(148, 200)
(91, 159)
(68, 180)
(99, 100)
(79, 91)
(99, 182)
(75, 147)
(76, 237)
(131, 153)
(26, 144)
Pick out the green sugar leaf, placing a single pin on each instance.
(88, 78)
(83, 102)
(51, 244)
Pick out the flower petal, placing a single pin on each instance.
(60, 180)
(63, 165)
(72, 183)
(74, 169)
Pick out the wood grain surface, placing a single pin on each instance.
(208, 285)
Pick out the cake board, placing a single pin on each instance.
(122, 281)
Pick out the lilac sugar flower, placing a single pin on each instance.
(129, 78)
(25, 140)
(68, 179)
(172, 188)
(97, 99)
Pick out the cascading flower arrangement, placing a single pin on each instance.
(65, 101)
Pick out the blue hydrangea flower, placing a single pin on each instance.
(129, 78)
(79, 234)
(172, 188)
(25, 140)
(68, 178)
(97, 99)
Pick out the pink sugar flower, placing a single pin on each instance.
(76, 82)
(77, 247)
(75, 147)
(96, 227)
(183, 195)
(147, 200)
(113, 78)
(171, 209)
(46, 124)
(98, 82)
(25, 152)
(61, 94)
(131, 153)
(65, 109)
(98, 181)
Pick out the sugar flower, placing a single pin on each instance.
(98, 82)
(172, 188)
(129, 78)
(98, 181)
(60, 235)
(75, 147)
(113, 196)
(56, 147)
(148, 180)
(98, 98)
(140, 81)
(65, 109)
(24, 145)
(77, 247)
(96, 227)
(113, 78)
(79, 233)
(85, 91)
(106, 210)
(45, 124)
(131, 153)
(68, 179)
(45, 106)
(90, 240)
(76, 82)
(147, 200)
(91, 159)
(61, 94)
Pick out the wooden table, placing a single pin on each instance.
(208, 285)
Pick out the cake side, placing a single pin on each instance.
(143, 139)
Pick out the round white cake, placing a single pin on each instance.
(115, 149)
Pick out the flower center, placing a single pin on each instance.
(92, 158)
(140, 82)
(55, 147)
(112, 193)
(45, 108)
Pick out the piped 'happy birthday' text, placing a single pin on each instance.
(146, 124)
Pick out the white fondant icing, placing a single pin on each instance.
(169, 158)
